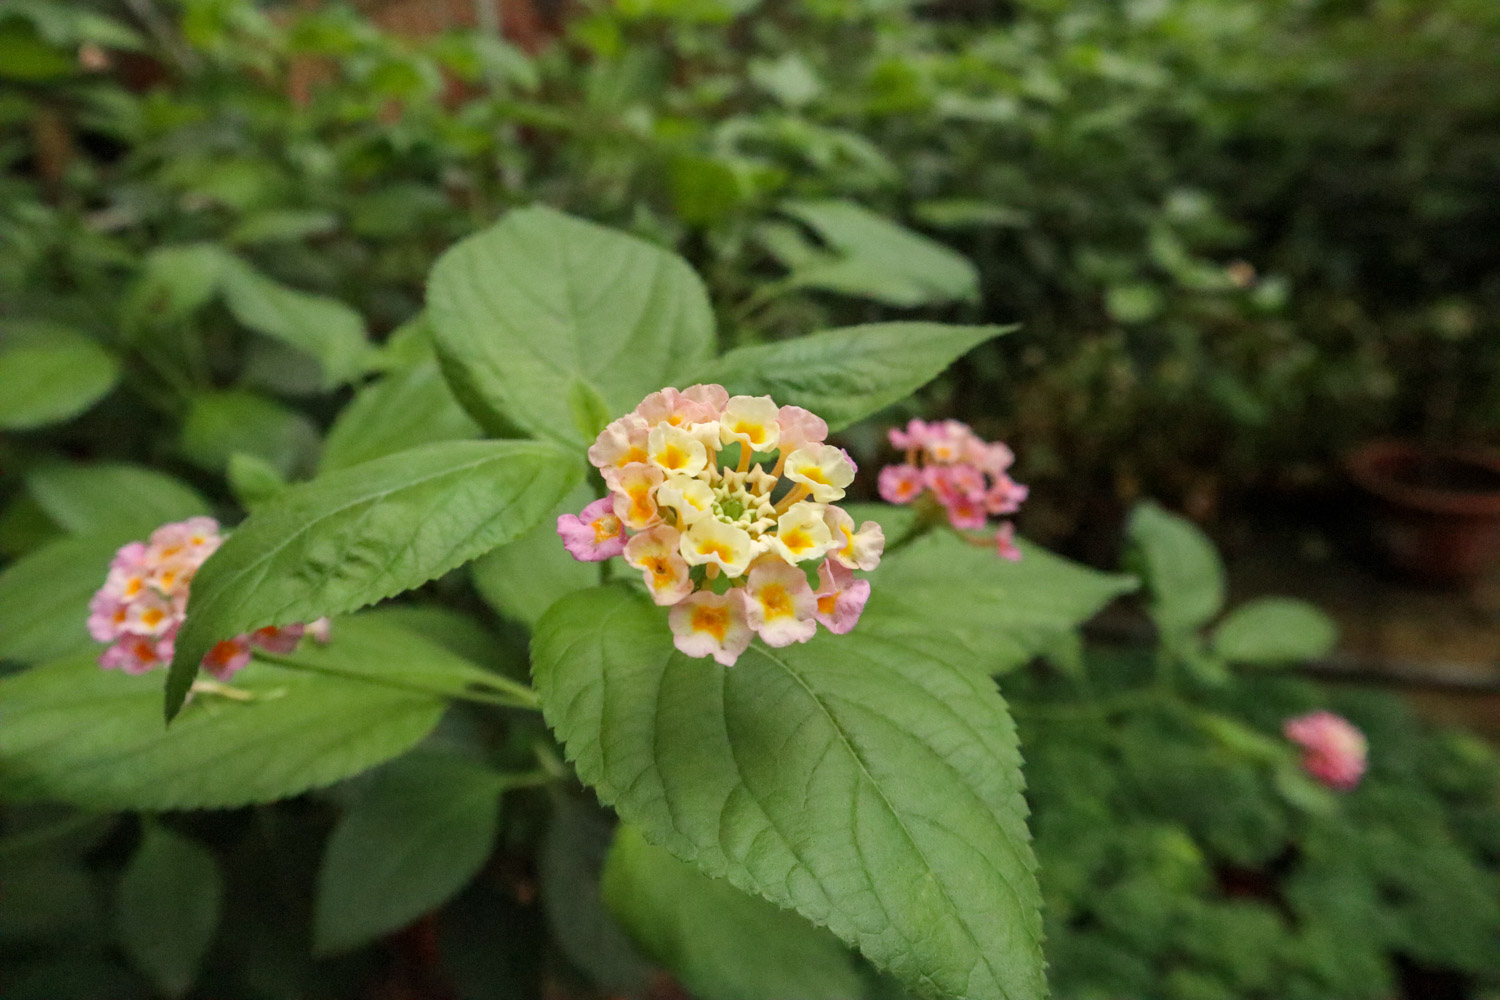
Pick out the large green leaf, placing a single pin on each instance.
(1180, 566)
(79, 734)
(847, 374)
(556, 325)
(872, 257)
(1274, 631)
(1003, 613)
(867, 781)
(721, 943)
(321, 327)
(404, 409)
(167, 908)
(52, 375)
(109, 497)
(525, 578)
(361, 534)
(44, 597)
(412, 839)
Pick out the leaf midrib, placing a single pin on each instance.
(365, 499)
(897, 816)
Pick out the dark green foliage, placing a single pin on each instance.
(1170, 866)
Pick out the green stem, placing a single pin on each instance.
(527, 779)
(760, 298)
(928, 517)
(1142, 699)
(516, 695)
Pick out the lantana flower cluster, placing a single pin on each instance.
(140, 608)
(968, 476)
(1334, 750)
(725, 504)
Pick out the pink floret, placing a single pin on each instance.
(278, 639)
(1005, 543)
(901, 484)
(841, 597)
(594, 534)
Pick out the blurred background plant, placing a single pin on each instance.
(1240, 238)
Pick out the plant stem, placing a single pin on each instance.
(527, 779)
(515, 695)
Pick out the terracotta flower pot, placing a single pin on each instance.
(1434, 512)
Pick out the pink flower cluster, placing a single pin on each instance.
(966, 475)
(724, 503)
(1334, 750)
(140, 608)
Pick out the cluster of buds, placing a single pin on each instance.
(719, 537)
(1334, 751)
(140, 608)
(966, 475)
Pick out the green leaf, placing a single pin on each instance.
(525, 578)
(416, 835)
(167, 908)
(967, 213)
(26, 55)
(406, 408)
(874, 258)
(44, 896)
(1275, 631)
(322, 327)
(76, 733)
(44, 597)
(541, 302)
(253, 480)
(569, 866)
(846, 374)
(1180, 567)
(1133, 303)
(221, 424)
(862, 780)
(52, 375)
(112, 497)
(1003, 613)
(175, 282)
(720, 943)
(282, 225)
(362, 534)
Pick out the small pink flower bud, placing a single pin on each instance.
(1335, 751)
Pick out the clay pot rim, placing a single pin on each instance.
(1366, 464)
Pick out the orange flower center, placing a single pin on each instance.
(776, 601)
(605, 528)
(714, 621)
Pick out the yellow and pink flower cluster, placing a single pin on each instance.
(968, 476)
(725, 503)
(140, 608)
